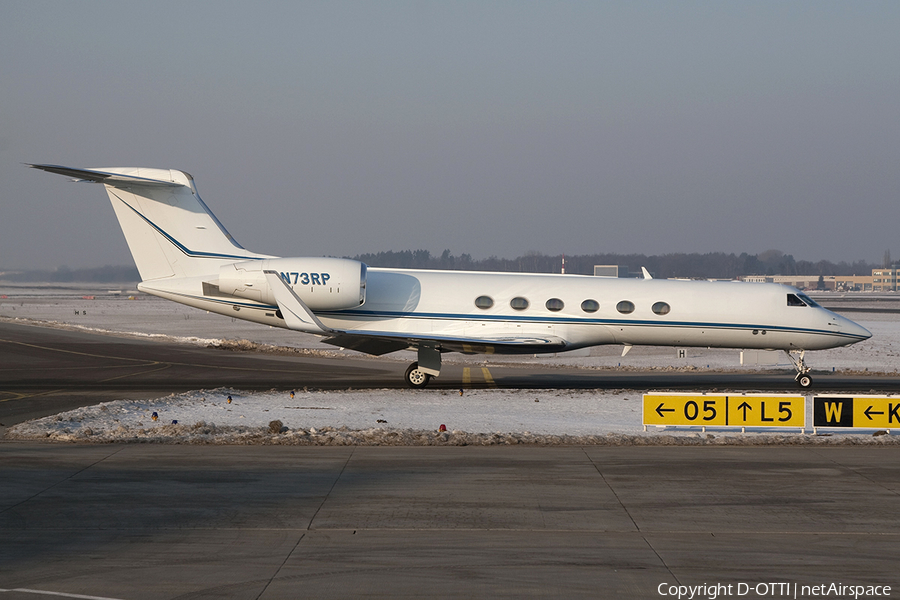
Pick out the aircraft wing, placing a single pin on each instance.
(296, 314)
(367, 343)
(379, 343)
(299, 317)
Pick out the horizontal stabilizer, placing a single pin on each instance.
(115, 179)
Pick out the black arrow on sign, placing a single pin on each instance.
(744, 406)
(660, 410)
(873, 412)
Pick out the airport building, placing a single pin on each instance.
(802, 282)
(614, 271)
(881, 280)
(854, 283)
(885, 280)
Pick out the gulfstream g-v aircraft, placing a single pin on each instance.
(184, 254)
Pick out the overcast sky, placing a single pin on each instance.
(492, 128)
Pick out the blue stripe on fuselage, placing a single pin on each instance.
(371, 315)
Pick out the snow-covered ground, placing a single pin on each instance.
(387, 416)
(396, 417)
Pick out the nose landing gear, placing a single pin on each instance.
(803, 378)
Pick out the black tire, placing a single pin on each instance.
(415, 378)
(805, 381)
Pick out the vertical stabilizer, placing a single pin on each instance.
(169, 229)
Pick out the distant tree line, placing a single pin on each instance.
(713, 265)
(106, 274)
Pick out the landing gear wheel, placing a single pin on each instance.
(415, 378)
(803, 378)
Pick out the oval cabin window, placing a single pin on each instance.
(625, 307)
(484, 302)
(555, 304)
(590, 306)
(519, 303)
(661, 308)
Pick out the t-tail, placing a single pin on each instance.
(170, 231)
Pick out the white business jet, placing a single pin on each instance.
(184, 254)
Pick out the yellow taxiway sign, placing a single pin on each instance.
(878, 412)
(720, 410)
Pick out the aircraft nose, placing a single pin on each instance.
(862, 331)
(853, 329)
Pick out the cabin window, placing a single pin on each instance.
(484, 302)
(590, 306)
(519, 303)
(625, 307)
(555, 304)
(794, 300)
(661, 308)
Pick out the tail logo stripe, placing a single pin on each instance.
(187, 251)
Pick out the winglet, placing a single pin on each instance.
(297, 315)
(646, 273)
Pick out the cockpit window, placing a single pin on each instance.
(809, 301)
(794, 300)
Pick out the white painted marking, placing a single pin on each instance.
(63, 594)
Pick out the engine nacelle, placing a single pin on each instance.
(321, 283)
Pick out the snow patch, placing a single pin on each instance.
(394, 418)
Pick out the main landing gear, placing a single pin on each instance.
(803, 378)
(429, 365)
(415, 377)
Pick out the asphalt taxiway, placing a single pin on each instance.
(46, 370)
(153, 521)
(150, 521)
